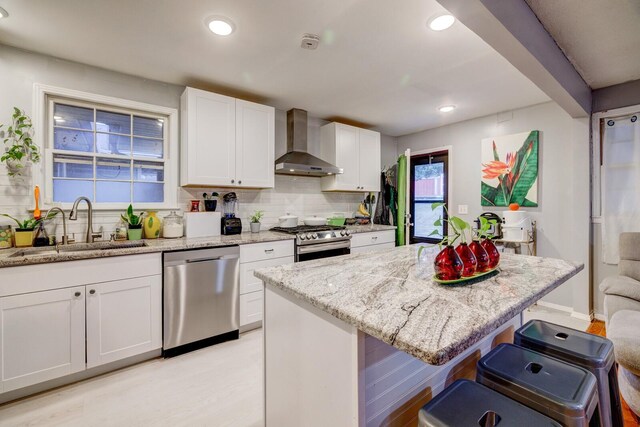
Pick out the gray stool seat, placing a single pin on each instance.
(562, 391)
(465, 403)
(588, 351)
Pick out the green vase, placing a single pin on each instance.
(134, 233)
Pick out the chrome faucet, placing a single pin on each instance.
(73, 215)
(65, 238)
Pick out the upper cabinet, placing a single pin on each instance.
(226, 142)
(355, 150)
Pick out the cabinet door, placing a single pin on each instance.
(41, 336)
(369, 155)
(249, 282)
(208, 139)
(347, 157)
(371, 248)
(251, 306)
(255, 135)
(124, 318)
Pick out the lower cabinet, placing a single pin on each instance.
(251, 306)
(373, 241)
(42, 336)
(124, 318)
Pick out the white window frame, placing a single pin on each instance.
(596, 168)
(44, 95)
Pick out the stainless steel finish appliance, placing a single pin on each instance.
(318, 241)
(201, 298)
(297, 161)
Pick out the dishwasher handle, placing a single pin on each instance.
(201, 255)
(192, 261)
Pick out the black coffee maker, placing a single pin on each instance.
(230, 224)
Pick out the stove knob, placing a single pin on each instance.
(308, 236)
(314, 235)
(302, 236)
(347, 232)
(342, 233)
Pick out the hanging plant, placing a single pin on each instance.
(20, 149)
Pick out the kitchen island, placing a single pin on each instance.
(367, 339)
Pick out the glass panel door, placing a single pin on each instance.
(428, 186)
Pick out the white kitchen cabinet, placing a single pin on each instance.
(251, 307)
(255, 144)
(225, 141)
(124, 319)
(373, 241)
(357, 152)
(42, 336)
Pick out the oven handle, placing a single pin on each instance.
(324, 247)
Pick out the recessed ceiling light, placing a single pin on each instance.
(3, 13)
(441, 22)
(447, 108)
(220, 25)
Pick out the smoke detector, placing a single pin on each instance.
(310, 41)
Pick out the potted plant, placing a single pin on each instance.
(134, 231)
(23, 233)
(210, 201)
(20, 149)
(255, 221)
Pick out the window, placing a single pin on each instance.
(109, 152)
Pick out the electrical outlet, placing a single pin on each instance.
(463, 209)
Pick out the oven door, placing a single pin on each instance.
(323, 250)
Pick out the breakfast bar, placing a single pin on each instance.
(367, 339)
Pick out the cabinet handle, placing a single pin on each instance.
(374, 238)
(240, 182)
(77, 294)
(92, 291)
(233, 181)
(268, 251)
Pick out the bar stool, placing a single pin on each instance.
(564, 392)
(465, 403)
(588, 351)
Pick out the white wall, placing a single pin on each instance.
(563, 213)
(21, 69)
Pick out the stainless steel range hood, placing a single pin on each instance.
(297, 161)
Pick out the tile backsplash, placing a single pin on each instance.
(301, 196)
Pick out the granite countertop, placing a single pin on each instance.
(49, 254)
(389, 296)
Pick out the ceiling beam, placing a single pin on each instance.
(514, 31)
(616, 96)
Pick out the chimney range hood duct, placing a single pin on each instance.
(297, 161)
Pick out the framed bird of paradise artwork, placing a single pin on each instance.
(510, 170)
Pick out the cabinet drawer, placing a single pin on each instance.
(251, 306)
(249, 282)
(371, 248)
(373, 238)
(269, 250)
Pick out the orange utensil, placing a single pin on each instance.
(36, 212)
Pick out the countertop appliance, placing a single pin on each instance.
(230, 224)
(318, 241)
(201, 298)
(496, 229)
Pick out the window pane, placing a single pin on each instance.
(148, 171)
(114, 169)
(113, 144)
(69, 190)
(147, 193)
(113, 191)
(74, 140)
(107, 121)
(73, 117)
(144, 126)
(143, 147)
(72, 166)
(429, 182)
(425, 217)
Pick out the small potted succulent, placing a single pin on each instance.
(23, 234)
(210, 201)
(255, 221)
(20, 150)
(134, 222)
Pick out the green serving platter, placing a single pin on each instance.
(474, 278)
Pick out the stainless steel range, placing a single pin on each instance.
(318, 241)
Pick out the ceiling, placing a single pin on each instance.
(377, 64)
(600, 38)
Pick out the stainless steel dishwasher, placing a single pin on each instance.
(201, 298)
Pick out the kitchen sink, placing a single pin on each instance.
(77, 247)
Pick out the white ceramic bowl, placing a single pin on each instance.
(315, 220)
(288, 221)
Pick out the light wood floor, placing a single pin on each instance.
(216, 386)
(630, 419)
